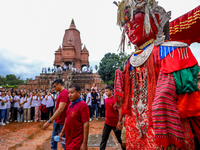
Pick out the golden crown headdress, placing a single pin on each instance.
(128, 8)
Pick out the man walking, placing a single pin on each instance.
(94, 103)
(60, 112)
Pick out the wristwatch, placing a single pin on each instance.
(49, 121)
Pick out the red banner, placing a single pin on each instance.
(187, 27)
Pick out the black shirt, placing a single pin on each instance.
(94, 97)
(84, 95)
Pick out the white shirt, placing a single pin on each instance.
(55, 97)
(98, 95)
(22, 99)
(102, 101)
(27, 104)
(104, 96)
(33, 101)
(8, 104)
(87, 99)
(16, 104)
(44, 101)
(5, 99)
(38, 102)
(49, 101)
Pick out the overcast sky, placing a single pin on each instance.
(32, 30)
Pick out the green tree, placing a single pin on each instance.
(109, 63)
(2, 80)
(13, 79)
(122, 59)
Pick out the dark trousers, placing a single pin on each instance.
(32, 112)
(102, 112)
(15, 113)
(43, 115)
(49, 109)
(90, 110)
(94, 107)
(12, 114)
(106, 132)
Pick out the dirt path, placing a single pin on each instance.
(29, 136)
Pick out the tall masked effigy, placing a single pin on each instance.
(157, 90)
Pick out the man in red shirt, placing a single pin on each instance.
(60, 112)
(76, 126)
(112, 119)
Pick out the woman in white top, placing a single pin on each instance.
(3, 101)
(43, 107)
(37, 107)
(27, 108)
(50, 104)
(102, 101)
(16, 100)
(8, 106)
(20, 110)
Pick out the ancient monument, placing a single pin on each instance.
(71, 54)
(71, 51)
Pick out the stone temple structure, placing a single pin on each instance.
(70, 53)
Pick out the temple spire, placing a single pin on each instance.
(72, 26)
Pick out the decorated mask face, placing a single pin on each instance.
(134, 30)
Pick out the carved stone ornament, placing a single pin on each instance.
(138, 60)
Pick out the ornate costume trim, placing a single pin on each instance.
(139, 99)
(145, 44)
(174, 44)
(137, 61)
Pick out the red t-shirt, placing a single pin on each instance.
(76, 116)
(112, 116)
(63, 97)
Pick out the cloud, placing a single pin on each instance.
(195, 48)
(12, 63)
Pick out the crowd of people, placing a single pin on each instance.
(38, 105)
(61, 106)
(26, 106)
(65, 67)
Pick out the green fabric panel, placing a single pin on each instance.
(186, 80)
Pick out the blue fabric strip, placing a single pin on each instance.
(165, 50)
(73, 103)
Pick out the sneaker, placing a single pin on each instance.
(7, 122)
(3, 124)
(28, 121)
(90, 119)
(31, 120)
(24, 120)
(15, 121)
(97, 119)
(35, 121)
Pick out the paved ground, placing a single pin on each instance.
(29, 136)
